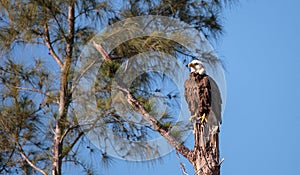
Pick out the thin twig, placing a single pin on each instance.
(74, 142)
(222, 160)
(29, 161)
(46, 38)
(181, 164)
(33, 90)
(9, 158)
(30, 89)
(67, 131)
(76, 81)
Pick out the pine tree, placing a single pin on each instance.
(39, 130)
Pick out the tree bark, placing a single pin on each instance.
(205, 157)
(64, 94)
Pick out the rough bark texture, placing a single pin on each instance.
(64, 94)
(205, 157)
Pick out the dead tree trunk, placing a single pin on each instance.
(205, 156)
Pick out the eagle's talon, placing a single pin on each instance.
(203, 118)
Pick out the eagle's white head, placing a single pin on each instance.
(197, 67)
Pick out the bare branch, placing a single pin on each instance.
(9, 158)
(77, 79)
(221, 161)
(47, 41)
(29, 161)
(156, 124)
(181, 164)
(101, 51)
(76, 139)
(31, 89)
(67, 131)
(104, 55)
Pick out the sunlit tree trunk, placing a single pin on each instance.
(64, 95)
(205, 157)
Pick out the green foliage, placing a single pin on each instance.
(20, 118)
(29, 88)
(204, 15)
(108, 69)
(165, 126)
(147, 103)
(66, 149)
(143, 44)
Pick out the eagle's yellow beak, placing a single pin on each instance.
(190, 65)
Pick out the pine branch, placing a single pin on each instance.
(59, 25)
(32, 90)
(9, 158)
(76, 139)
(77, 79)
(156, 124)
(29, 161)
(47, 41)
(100, 49)
(67, 131)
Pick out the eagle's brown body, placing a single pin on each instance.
(203, 97)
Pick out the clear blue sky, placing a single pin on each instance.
(260, 131)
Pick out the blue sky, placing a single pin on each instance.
(260, 130)
(259, 134)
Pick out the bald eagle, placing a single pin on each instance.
(202, 95)
(204, 100)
